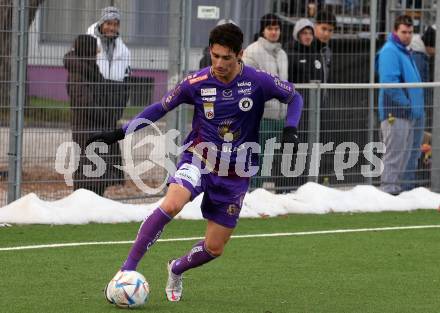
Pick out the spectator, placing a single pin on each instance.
(84, 89)
(205, 61)
(398, 108)
(422, 63)
(304, 63)
(324, 27)
(266, 54)
(429, 41)
(114, 63)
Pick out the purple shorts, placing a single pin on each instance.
(223, 195)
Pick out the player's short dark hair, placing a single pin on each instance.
(228, 35)
(403, 20)
(326, 16)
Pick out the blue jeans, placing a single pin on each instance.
(409, 176)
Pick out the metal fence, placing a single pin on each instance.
(166, 40)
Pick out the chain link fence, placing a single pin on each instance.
(166, 40)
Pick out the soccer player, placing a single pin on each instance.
(228, 99)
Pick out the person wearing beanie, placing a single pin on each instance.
(266, 54)
(114, 56)
(305, 63)
(113, 60)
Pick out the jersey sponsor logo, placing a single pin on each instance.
(227, 149)
(209, 110)
(227, 94)
(208, 99)
(282, 85)
(244, 84)
(225, 131)
(188, 77)
(198, 79)
(245, 91)
(208, 92)
(245, 104)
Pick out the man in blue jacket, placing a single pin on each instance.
(398, 107)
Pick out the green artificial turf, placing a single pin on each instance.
(376, 271)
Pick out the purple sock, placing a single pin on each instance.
(148, 233)
(196, 257)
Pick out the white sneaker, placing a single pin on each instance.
(174, 287)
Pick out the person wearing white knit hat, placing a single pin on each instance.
(113, 60)
(114, 57)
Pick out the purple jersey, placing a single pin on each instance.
(228, 115)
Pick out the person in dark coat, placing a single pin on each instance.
(86, 89)
(305, 63)
(114, 62)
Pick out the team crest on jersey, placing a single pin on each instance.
(209, 110)
(318, 65)
(245, 104)
(233, 209)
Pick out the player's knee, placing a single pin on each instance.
(215, 249)
(171, 207)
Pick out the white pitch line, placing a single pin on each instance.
(304, 233)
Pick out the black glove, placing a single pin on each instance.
(107, 137)
(290, 135)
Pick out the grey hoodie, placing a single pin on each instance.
(300, 25)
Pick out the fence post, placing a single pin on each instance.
(187, 18)
(174, 57)
(435, 143)
(314, 126)
(373, 16)
(17, 95)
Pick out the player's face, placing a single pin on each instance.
(225, 63)
(306, 36)
(405, 33)
(324, 32)
(272, 33)
(110, 28)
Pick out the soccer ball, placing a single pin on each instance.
(128, 289)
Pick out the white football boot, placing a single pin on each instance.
(174, 287)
